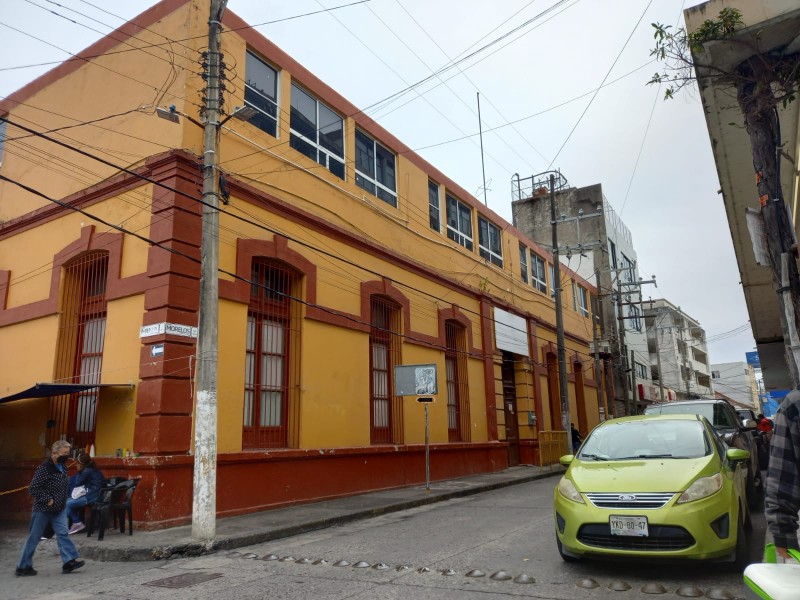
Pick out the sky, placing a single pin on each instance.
(564, 88)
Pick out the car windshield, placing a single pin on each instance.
(713, 411)
(646, 439)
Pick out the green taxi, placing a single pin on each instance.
(653, 487)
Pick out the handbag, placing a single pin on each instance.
(79, 491)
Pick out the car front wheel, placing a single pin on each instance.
(755, 492)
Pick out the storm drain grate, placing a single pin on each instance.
(185, 580)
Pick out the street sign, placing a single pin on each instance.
(415, 380)
(424, 400)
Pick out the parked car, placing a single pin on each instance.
(654, 487)
(726, 422)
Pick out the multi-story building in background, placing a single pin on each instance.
(595, 242)
(342, 254)
(679, 354)
(736, 381)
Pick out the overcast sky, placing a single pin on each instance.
(538, 106)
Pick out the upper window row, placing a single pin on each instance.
(318, 131)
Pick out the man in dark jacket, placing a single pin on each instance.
(783, 476)
(49, 490)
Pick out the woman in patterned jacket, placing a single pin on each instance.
(49, 490)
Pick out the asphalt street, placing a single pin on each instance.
(494, 544)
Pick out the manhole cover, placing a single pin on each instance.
(185, 580)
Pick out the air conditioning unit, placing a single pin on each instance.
(602, 348)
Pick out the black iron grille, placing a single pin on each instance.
(662, 538)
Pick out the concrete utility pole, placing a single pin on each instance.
(562, 359)
(204, 503)
(597, 318)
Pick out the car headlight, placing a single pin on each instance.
(567, 489)
(702, 488)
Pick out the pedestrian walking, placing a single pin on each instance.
(49, 490)
(783, 476)
(576, 438)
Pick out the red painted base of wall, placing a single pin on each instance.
(252, 481)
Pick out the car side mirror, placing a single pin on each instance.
(750, 425)
(567, 459)
(735, 455)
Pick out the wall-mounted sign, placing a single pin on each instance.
(415, 380)
(157, 350)
(168, 328)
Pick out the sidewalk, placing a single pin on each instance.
(235, 532)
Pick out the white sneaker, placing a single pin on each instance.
(76, 527)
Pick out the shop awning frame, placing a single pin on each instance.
(45, 390)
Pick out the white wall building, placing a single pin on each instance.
(677, 345)
(737, 382)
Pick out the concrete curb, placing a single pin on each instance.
(134, 553)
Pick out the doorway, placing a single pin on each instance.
(510, 408)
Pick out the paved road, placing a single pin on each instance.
(421, 553)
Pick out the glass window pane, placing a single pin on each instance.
(452, 212)
(331, 131)
(260, 76)
(273, 337)
(365, 184)
(336, 167)
(387, 197)
(379, 357)
(365, 155)
(251, 333)
(302, 146)
(464, 220)
(304, 115)
(273, 376)
(248, 408)
(385, 167)
(433, 206)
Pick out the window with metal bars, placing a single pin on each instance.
(458, 420)
(271, 361)
(385, 409)
(79, 357)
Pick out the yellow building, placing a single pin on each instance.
(342, 254)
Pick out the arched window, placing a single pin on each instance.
(272, 360)
(81, 338)
(384, 343)
(455, 358)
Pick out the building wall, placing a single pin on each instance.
(346, 243)
(737, 381)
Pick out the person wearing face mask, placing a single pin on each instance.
(49, 488)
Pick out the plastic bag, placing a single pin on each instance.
(78, 492)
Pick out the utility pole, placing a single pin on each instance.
(634, 403)
(623, 355)
(204, 503)
(685, 355)
(597, 317)
(562, 358)
(658, 359)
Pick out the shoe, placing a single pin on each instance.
(76, 527)
(26, 571)
(70, 566)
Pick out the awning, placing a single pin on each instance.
(44, 390)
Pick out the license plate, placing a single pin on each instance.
(630, 526)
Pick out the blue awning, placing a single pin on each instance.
(44, 390)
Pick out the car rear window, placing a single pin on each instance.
(716, 413)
